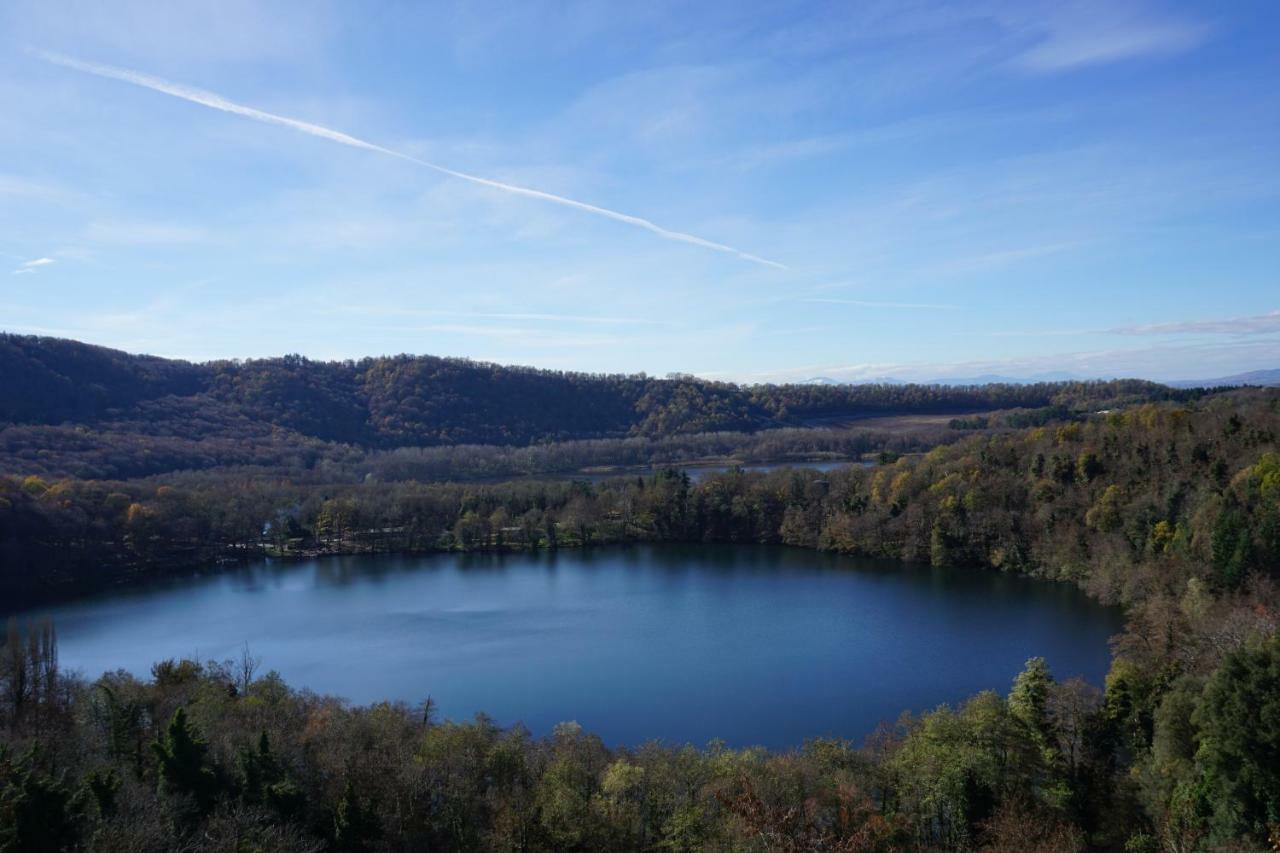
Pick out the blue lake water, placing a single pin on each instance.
(749, 644)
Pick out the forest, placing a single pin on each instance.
(1170, 509)
(1084, 500)
(213, 755)
(72, 409)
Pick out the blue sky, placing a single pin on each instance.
(938, 189)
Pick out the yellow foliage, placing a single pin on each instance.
(1264, 477)
(621, 779)
(33, 485)
(878, 485)
(1161, 536)
(948, 482)
(1105, 513)
(1064, 434)
(935, 455)
(59, 489)
(897, 490)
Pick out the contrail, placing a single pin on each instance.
(217, 102)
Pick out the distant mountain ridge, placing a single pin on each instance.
(1265, 378)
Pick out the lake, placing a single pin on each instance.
(697, 471)
(749, 644)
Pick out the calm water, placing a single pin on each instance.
(754, 645)
(697, 472)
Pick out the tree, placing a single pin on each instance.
(1072, 708)
(355, 827)
(262, 780)
(1029, 699)
(37, 813)
(955, 768)
(1231, 546)
(1239, 755)
(183, 770)
(1088, 467)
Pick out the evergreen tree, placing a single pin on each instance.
(1029, 699)
(37, 813)
(104, 788)
(1239, 723)
(183, 768)
(262, 780)
(355, 828)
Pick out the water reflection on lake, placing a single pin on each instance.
(751, 644)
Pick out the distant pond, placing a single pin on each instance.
(749, 644)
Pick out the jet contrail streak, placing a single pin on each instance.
(217, 102)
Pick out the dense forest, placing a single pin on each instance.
(123, 468)
(1086, 500)
(208, 755)
(72, 409)
(1171, 509)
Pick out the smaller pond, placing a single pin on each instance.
(697, 473)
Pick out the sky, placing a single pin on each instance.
(742, 191)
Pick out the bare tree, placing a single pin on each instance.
(245, 668)
(1073, 707)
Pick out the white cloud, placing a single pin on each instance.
(514, 316)
(1161, 363)
(923, 306)
(183, 32)
(1261, 324)
(27, 267)
(1076, 35)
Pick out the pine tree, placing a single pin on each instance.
(262, 780)
(1239, 752)
(183, 770)
(37, 812)
(1029, 699)
(354, 827)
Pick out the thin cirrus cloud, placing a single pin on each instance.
(29, 267)
(217, 102)
(906, 306)
(1081, 38)
(1261, 324)
(529, 317)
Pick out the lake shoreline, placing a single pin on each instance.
(540, 637)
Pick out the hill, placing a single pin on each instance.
(74, 408)
(1264, 378)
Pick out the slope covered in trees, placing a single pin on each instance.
(68, 408)
(1171, 509)
(1174, 491)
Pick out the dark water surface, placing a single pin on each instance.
(697, 472)
(751, 644)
